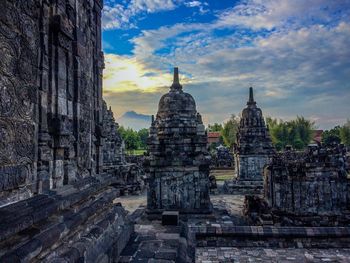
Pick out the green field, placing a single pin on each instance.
(222, 175)
(136, 152)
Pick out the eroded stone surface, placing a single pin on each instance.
(56, 201)
(254, 146)
(305, 188)
(253, 151)
(179, 160)
(230, 254)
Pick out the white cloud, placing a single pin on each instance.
(117, 16)
(302, 68)
(200, 5)
(269, 14)
(193, 4)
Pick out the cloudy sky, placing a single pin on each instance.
(295, 53)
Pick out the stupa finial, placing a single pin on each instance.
(176, 82)
(176, 76)
(251, 97)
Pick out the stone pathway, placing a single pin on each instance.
(132, 202)
(243, 255)
(154, 243)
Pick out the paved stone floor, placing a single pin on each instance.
(132, 202)
(153, 242)
(243, 255)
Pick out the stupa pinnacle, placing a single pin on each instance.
(176, 86)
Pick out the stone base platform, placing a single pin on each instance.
(268, 255)
(240, 187)
(78, 223)
(153, 242)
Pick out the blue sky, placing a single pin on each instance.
(295, 53)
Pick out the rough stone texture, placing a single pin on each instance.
(229, 254)
(307, 188)
(153, 242)
(113, 146)
(222, 158)
(51, 95)
(129, 175)
(56, 202)
(254, 146)
(253, 151)
(179, 160)
(77, 224)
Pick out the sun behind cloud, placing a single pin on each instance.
(124, 73)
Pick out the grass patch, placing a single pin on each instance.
(224, 177)
(136, 152)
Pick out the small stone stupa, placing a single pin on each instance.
(179, 160)
(253, 150)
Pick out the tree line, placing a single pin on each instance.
(134, 140)
(298, 132)
(339, 134)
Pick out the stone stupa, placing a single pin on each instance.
(179, 161)
(253, 150)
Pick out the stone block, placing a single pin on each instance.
(170, 218)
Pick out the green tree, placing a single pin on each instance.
(344, 133)
(331, 136)
(131, 138)
(229, 131)
(216, 127)
(297, 132)
(143, 134)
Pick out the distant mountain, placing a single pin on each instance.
(134, 120)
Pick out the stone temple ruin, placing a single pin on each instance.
(61, 164)
(253, 150)
(114, 160)
(305, 188)
(63, 168)
(179, 160)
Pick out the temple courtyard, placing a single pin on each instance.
(153, 242)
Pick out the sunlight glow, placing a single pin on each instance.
(124, 73)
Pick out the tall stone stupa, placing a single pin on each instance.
(179, 161)
(253, 150)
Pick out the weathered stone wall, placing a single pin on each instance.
(50, 94)
(251, 167)
(113, 146)
(56, 202)
(308, 188)
(312, 183)
(129, 176)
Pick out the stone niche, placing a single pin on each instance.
(252, 151)
(178, 158)
(307, 188)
